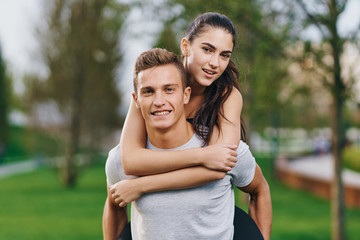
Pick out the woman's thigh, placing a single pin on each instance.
(245, 227)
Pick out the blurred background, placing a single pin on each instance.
(66, 82)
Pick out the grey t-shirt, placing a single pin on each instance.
(204, 212)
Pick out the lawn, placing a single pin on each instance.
(35, 206)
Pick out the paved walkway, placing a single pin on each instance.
(19, 167)
(321, 166)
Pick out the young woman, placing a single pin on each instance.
(214, 109)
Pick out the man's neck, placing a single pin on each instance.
(173, 137)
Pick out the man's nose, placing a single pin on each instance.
(159, 99)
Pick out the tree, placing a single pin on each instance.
(80, 50)
(324, 15)
(4, 106)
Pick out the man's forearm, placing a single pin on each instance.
(114, 220)
(260, 210)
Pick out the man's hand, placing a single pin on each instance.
(221, 157)
(126, 191)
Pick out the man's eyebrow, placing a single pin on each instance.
(146, 88)
(171, 85)
(213, 47)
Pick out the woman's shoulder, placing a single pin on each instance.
(235, 97)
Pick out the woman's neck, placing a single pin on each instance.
(196, 88)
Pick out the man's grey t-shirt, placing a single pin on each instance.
(204, 212)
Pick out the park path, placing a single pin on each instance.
(322, 167)
(19, 167)
(317, 166)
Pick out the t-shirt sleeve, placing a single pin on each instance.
(243, 172)
(113, 167)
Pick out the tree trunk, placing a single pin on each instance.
(338, 208)
(338, 131)
(70, 173)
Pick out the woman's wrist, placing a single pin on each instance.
(202, 156)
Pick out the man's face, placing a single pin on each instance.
(160, 96)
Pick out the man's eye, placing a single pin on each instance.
(147, 92)
(170, 89)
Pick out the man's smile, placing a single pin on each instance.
(161, 113)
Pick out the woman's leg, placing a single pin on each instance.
(245, 227)
(126, 233)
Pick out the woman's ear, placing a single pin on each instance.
(184, 46)
(187, 94)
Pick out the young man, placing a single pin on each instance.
(204, 212)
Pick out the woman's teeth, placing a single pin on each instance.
(209, 72)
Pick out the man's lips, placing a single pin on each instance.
(161, 113)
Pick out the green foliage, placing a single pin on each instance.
(4, 104)
(258, 52)
(80, 49)
(351, 156)
(26, 143)
(168, 40)
(82, 54)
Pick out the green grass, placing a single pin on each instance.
(299, 215)
(36, 206)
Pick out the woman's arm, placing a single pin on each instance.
(137, 160)
(230, 132)
(129, 190)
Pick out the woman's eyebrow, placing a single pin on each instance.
(213, 47)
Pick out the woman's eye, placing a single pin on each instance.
(206, 49)
(226, 56)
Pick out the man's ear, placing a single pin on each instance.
(187, 94)
(184, 47)
(135, 100)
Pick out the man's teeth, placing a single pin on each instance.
(209, 72)
(161, 113)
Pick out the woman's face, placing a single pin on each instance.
(208, 55)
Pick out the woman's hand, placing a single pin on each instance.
(219, 157)
(125, 191)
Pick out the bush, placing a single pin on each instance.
(352, 157)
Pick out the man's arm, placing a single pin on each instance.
(260, 208)
(114, 219)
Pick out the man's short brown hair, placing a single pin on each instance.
(158, 57)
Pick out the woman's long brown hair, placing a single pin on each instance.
(211, 109)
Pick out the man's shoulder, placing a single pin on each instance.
(113, 167)
(194, 142)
